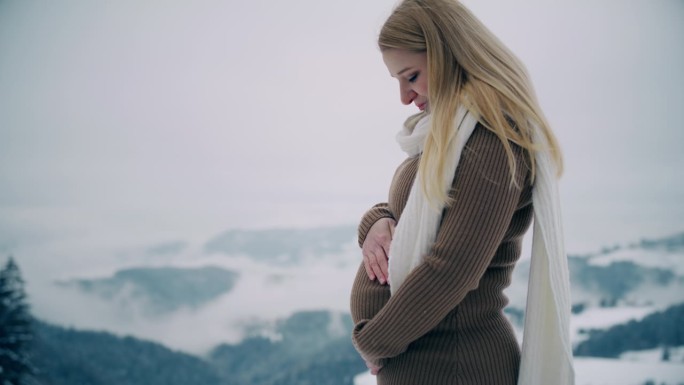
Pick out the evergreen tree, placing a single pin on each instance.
(15, 328)
(666, 353)
(663, 328)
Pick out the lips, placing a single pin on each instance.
(421, 106)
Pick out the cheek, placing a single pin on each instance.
(422, 88)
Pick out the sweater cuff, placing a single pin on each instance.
(377, 212)
(372, 348)
(357, 345)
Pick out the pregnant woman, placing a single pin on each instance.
(482, 163)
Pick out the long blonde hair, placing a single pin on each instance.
(467, 65)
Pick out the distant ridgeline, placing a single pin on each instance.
(285, 246)
(650, 272)
(159, 290)
(66, 357)
(645, 273)
(602, 279)
(314, 348)
(659, 330)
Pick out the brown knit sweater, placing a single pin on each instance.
(445, 325)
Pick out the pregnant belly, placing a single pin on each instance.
(367, 297)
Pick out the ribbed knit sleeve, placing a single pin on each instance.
(379, 211)
(471, 230)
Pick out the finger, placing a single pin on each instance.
(386, 247)
(387, 241)
(373, 369)
(367, 266)
(384, 267)
(374, 260)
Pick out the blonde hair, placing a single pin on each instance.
(467, 65)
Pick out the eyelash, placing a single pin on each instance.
(413, 77)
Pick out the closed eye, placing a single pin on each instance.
(413, 77)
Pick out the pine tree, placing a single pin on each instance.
(15, 328)
(666, 354)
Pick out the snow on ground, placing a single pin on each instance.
(654, 355)
(599, 371)
(648, 258)
(603, 318)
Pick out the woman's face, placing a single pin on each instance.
(410, 68)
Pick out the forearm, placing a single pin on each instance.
(377, 212)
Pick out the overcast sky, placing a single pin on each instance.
(174, 117)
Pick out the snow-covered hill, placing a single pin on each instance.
(158, 290)
(598, 371)
(282, 272)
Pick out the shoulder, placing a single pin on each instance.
(484, 140)
(486, 154)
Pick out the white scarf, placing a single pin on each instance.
(546, 349)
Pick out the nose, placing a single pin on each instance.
(407, 94)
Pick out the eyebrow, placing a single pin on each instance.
(402, 71)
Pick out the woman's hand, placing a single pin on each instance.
(376, 249)
(374, 369)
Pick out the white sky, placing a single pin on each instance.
(186, 118)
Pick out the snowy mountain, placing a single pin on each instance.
(666, 253)
(308, 352)
(615, 284)
(661, 330)
(234, 292)
(311, 347)
(159, 290)
(281, 245)
(282, 294)
(67, 356)
(601, 371)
